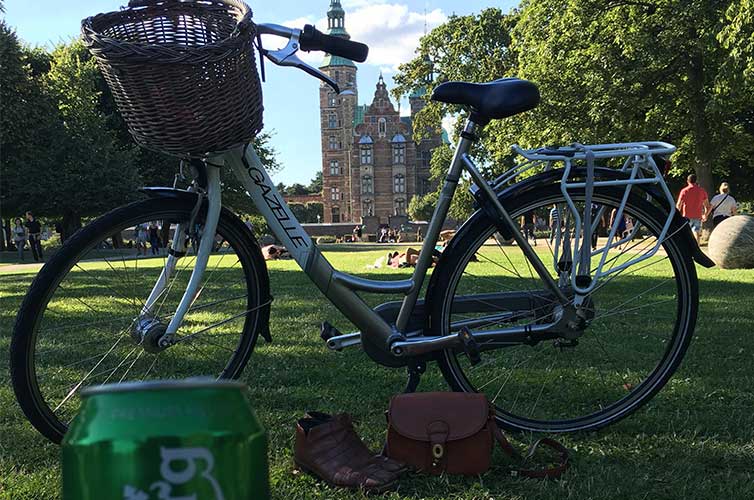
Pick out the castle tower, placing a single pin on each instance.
(337, 122)
(427, 144)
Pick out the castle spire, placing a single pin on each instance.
(336, 20)
(336, 26)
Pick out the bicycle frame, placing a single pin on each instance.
(341, 288)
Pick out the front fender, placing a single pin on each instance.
(679, 226)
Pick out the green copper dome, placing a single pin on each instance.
(336, 26)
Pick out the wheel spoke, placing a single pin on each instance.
(84, 332)
(560, 383)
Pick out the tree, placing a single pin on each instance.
(96, 172)
(307, 212)
(30, 128)
(609, 71)
(234, 193)
(59, 159)
(315, 186)
(635, 70)
(473, 48)
(466, 48)
(421, 207)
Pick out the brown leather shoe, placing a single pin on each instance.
(389, 464)
(332, 451)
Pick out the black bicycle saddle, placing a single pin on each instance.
(492, 101)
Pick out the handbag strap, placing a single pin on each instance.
(550, 472)
(712, 210)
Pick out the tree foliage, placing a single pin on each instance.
(615, 71)
(65, 151)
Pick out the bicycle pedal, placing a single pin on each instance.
(327, 331)
(470, 346)
(563, 344)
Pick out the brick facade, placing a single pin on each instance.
(370, 164)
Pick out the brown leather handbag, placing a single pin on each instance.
(453, 433)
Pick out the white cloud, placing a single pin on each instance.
(391, 30)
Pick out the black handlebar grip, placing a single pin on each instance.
(313, 39)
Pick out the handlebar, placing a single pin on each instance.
(313, 39)
(310, 39)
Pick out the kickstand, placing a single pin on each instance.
(415, 370)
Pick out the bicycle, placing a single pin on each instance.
(575, 344)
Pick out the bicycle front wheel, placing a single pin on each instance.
(642, 319)
(76, 325)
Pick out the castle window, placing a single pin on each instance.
(334, 167)
(399, 154)
(382, 127)
(400, 206)
(367, 184)
(334, 193)
(366, 155)
(425, 186)
(399, 184)
(333, 142)
(426, 158)
(367, 208)
(332, 100)
(332, 120)
(335, 211)
(336, 76)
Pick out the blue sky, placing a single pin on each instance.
(391, 29)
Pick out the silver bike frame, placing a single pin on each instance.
(341, 288)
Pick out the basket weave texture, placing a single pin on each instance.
(182, 72)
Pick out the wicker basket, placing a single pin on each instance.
(183, 73)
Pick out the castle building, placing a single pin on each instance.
(370, 164)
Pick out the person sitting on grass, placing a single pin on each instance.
(275, 252)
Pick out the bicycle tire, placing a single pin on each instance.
(252, 277)
(470, 239)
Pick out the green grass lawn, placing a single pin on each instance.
(694, 440)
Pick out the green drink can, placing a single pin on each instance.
(195, 439)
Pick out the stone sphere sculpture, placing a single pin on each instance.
(731, 244)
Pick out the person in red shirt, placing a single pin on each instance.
(693, 204)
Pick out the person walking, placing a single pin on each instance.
(34, 232)
(723, 205)
(154, 237)
(554, 222)
(19, 237)
(141, 239)
(693, 204)
(621, 230)
(527, 226)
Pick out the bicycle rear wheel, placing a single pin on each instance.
(76, 324)
(643, 320)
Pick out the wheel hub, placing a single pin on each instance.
(149, 333)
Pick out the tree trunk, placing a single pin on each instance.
(71, 223)
(704, 151)
(165, 233)
(6, 235)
